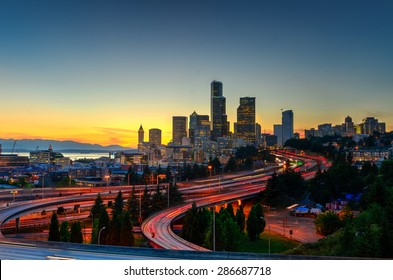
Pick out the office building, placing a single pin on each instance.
(349, 127)
(371, 125)
(219, 122)
(277, 131)
(155, 136)
(141, 135)
(179, 129)
(195, 121)
(287, 126)
(245, 126)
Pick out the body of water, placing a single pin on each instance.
(75, 156)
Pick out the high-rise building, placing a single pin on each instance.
(219, 123)
(325, 129)
(245, 128)
(371, 125)
(258, 133)
(277, 131)
(349, 127)
(179, 129)
(196, 120)
(287, 126)
(141, 135)
(155, 136)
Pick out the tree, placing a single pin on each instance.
(126, 234)
(64, 232)
(132, 206)
(252, 224)
(103, 221)
(114, 229)
(146, 203)
(175, 196)
(54, 233)
(216, 166)
(231, 211)
(98, 205)
(327, 223)
(240, 218)
(119, 204)
(261, 222)
(231, 165)
(76, 233)
(386, 170)
(158, 200)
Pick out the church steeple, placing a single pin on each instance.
(141, 135)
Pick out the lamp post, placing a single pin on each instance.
(168, 194)
(210, 178)
(92, 219)
(213, 208)
(14, 193)
(107, 182)
(268, 225)
(99, 235)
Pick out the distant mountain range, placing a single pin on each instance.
(26, 145)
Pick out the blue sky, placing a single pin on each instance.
(93, 71)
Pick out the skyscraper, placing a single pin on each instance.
(219, 123)
(287, 126)
(141, 135)
(349, 126)
(179, 129)
(277, 128)
(155, 136)
(195, 121)
(245, 128)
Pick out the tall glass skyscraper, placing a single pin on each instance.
(245, 128)
(287, 126)
(219, 121)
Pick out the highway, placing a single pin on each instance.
(157, 228)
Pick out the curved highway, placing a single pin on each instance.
(157, 228)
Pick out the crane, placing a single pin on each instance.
(13, 147)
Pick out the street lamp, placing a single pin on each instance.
(99, 235)
(107, 182)
(210, 178)
(214, 228)
(268, 225)
(14, 193)
(92, 219)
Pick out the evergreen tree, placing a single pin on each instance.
(175, 197)
(64, 232)
(146, 204)
(54, 233)
(231, 211)
(132, 206)
(158, 200)
(114, 229)
(126, 234)
(119, 204)
(103, 222)
(231, 165)
(216, 166)
(261, 222)
(76, 233)
(252, 224)
(240, 218)
(98, 205)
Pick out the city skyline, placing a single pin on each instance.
(97, 77)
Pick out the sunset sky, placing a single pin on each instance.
(93, 71)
